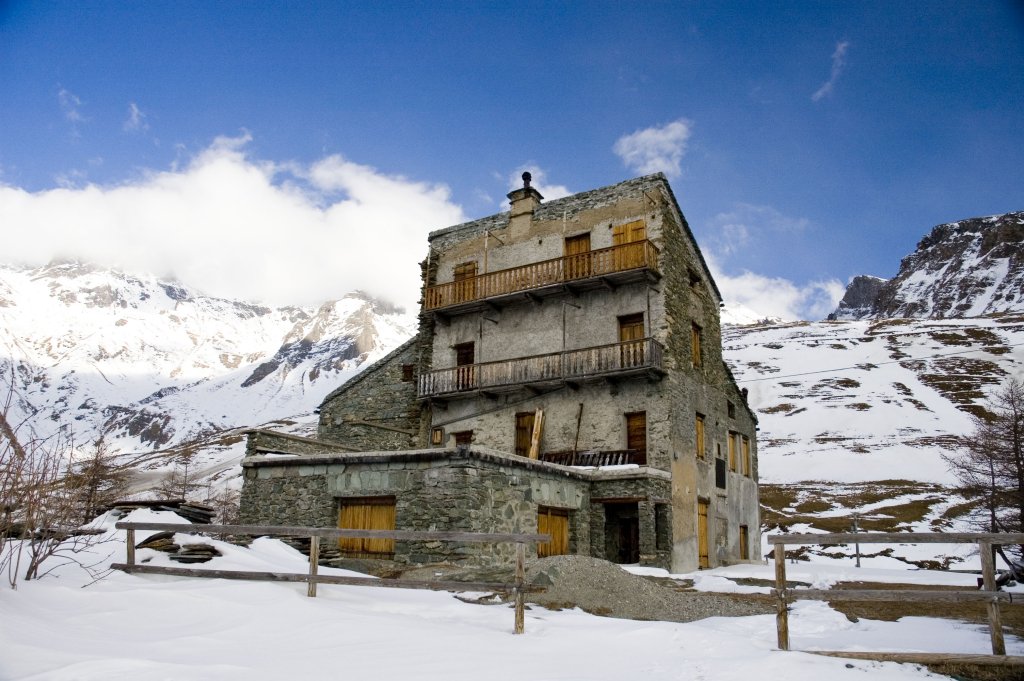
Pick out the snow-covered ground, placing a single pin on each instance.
(63, 627)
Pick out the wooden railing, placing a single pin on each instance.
(604, 261)
(566, 365)
(603, 457)
(989, 595)
(518, 588)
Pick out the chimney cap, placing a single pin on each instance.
(527, 177)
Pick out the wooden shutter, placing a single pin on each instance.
(703, 557)
(746, 456)
(524, 433)
(700, 436)
(627, 256)
(553, 521)
(636, 435)
(733, 437)
(374, 513)
(465, 357)
(629, 233)
(463, 437)
(577, 256)
(744, 543)
(695, 345)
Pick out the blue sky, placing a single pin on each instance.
(253, 149)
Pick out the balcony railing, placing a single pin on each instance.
(599, 457)
(604, 360)
(602, 262)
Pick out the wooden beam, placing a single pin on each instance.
(314, 562)
(927, 658)
(322, 579)
(335, 533)
(905, 596)
(520, 585)
(988, 574)
(897, 538)
(781, 607)
(371, 424)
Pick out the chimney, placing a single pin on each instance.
(524, 202)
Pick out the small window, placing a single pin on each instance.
(407, 372)
(694, 278)
(463, 437)
(700, 436)
(695, 345)
(730, 409)
(437, 436)
(720, 473)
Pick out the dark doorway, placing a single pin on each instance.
(622, 532)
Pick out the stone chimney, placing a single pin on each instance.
(524, 202)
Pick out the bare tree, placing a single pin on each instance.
(95, 480)
(990, 463)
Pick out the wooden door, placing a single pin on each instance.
(465, 374)
(465, 282)
(631, 334)
(577, 256)
(703, 558)
(374, 513)
(524, 433)
(553, 521)
(636, 435)
(744, 543)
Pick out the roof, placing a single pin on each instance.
(376, 366)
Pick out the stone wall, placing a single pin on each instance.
(379, 396)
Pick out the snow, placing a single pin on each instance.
(68, 627)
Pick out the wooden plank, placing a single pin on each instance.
(381, 426)
(314, 562)
(538, 429)
(897, 538)
(995, 621)
(332, 533)
(927, 658)
(520, 583)
(904, 596)
(782, 609)
(130, 545)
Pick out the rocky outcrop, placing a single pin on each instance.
(969, 268)
(859, 300)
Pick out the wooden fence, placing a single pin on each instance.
(989, 595)
(518, 587)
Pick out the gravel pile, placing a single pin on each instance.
(604, 588)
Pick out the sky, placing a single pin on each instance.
(291, 152)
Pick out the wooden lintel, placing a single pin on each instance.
(371, 424)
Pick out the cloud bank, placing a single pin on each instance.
(237, 227)
(777, 297)
(655, 149)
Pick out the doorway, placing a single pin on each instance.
(622, 532)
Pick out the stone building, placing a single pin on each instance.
(567, 378)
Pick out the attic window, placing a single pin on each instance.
(694, 277)
(730, 408)
(407, 372)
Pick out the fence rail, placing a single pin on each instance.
(989, 593)
(600, 262)
(600, 360)
(518, 587)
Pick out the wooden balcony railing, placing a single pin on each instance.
(602, 262)
(599, 457)
(602, 360)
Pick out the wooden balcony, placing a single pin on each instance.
(642, 357)
(599, 457)
(606, 266)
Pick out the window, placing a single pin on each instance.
(437, 436)
(407, 372)
(465, 282)
(720, 473)
(747, 469)
(577, 256)
(463, 437)
(744, 543)
(553, 521)
(367, 513)
(631, 334)
(627, 257)
(524, 433)
(730, 409)
(733, 440)
(700, 436)
(465, 356)
(629, 233)
(695, 345)
(694, 278)
(636, 435)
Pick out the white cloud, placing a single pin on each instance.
(735, 229)
(136, 121)
(237, 227)
(778, 297)
(838, 63)
(655, 149)
(71, 105)
(539, 181)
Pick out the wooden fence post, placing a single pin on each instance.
(130, 545)
(782, 612)
(520, 626)
(314, 561)
(988, 574)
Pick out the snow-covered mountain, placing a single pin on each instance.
(961, 269)
(154, 365)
